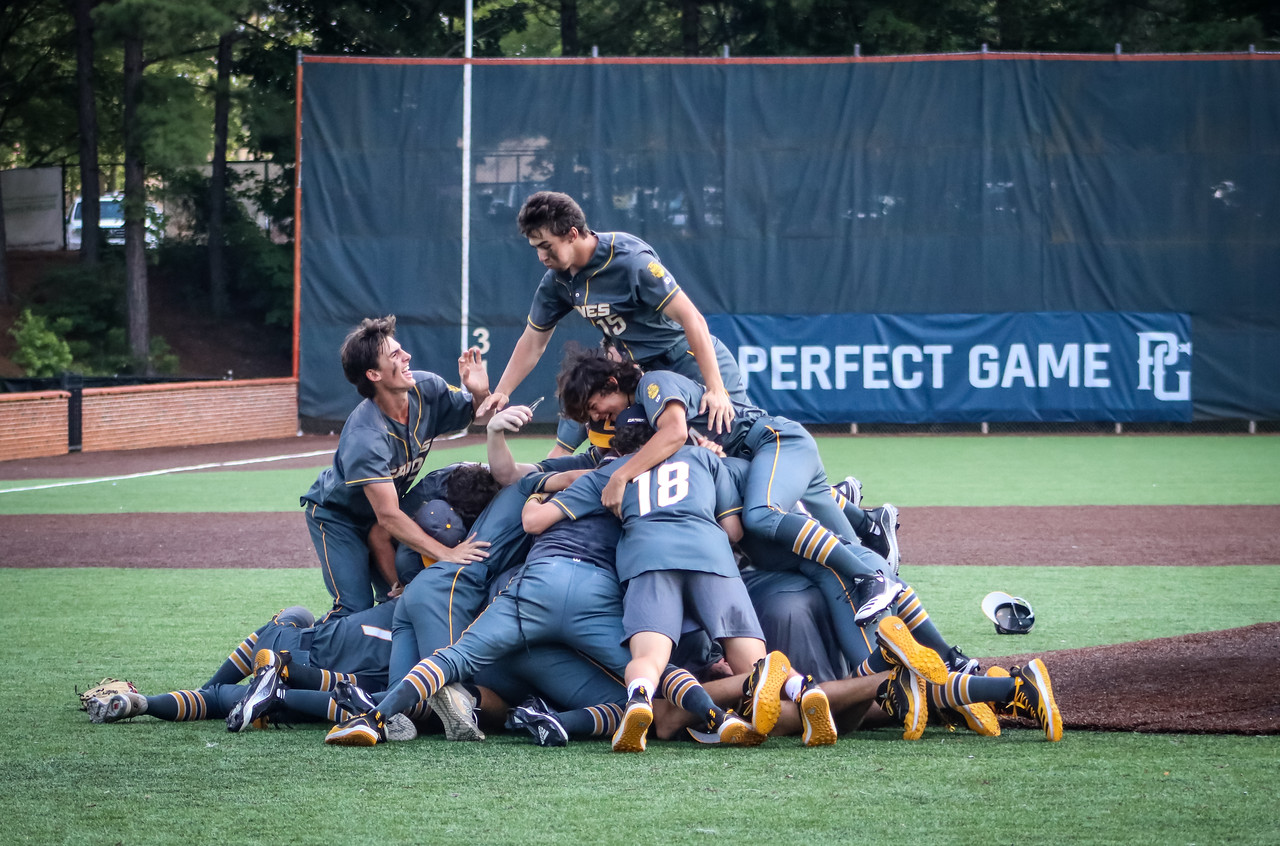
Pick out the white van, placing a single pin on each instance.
(111, 221)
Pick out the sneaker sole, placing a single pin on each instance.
(890, 529)
(399, 728)
(351, 736)
(897, 639)
(630, 736)
(766, 704)
(455, 710)
(1051, 717)
(917, 716)
(981, 719)
(734, 734)
(815, 712)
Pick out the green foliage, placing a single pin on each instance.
(86, 305)
(41, 348)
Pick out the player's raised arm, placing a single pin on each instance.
(502, 464)
(524, 358)
(715, 402)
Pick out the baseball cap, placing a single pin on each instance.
(438, 519)
(1011, 614)
(630, 415)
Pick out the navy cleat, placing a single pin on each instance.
(263, 695)
(535, 716)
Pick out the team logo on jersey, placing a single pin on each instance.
(652, 391)
(657, 269)
(452, 389)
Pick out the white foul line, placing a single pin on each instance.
(166, 471)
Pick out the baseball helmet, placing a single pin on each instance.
(440, 521)
(1011, 614)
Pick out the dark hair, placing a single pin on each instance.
(469, 488)
(361, 349)
(550, 210)
(585, 371)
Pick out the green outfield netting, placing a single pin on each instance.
(931, 185)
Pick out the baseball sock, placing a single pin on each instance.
(239, 664)
(596, 721)
(911, 611)
(179, 706)
(965, 689)
(680, 688)
(810, 539)
(421, 684)
(640, 684)
(303, 677)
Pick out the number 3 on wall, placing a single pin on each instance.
(481, 336)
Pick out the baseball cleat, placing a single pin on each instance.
(900, 648)
(352, 698)
(872, 595)
(636, 719)
(263, 694)
(882, 539)
(536, 717)
(1033, 698)
(728, 730)
(762, 692)
(958, 662)
(364, 730)
(850, 489)
(903, 697)
(118, 706)
(815, 714)
(457, 710)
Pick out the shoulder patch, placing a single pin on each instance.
(452, 389)
(657, 269)
(652, 390)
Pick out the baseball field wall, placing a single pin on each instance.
(185, 413)
(33, 424)
(888, 239)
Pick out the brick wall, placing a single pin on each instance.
(187, 413)
(33, 424)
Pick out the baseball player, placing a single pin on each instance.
(291, 649)
(785, 467)
(382, 447)
(684, 506)
(617, 282)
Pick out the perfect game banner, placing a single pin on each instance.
(923, 368)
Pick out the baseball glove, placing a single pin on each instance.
(105, 689)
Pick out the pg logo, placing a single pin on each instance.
(1158, 354)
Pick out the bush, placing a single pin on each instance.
(86, 306)
(41, 349)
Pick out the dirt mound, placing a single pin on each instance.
(1225, 682)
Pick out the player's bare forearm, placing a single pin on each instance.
(715, 404)
(502, 463)
(526, 355)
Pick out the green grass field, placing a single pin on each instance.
(146, 781)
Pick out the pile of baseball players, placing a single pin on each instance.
(691, 573)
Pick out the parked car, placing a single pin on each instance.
(111, 221)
